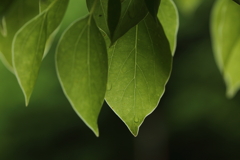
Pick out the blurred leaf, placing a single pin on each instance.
(16, 15)
(29, 45)
(168, 16)
(43, 4)
(4, 4)
(225, 29)
(188, 6)
(237, 1)
(139, 68)
(82, 69)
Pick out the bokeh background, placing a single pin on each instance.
(194, 120)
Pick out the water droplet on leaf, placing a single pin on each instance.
(136, 119)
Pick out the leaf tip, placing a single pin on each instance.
(232, 85)
(135, 131)
(27, 99)
(96, 132)
(231, 92)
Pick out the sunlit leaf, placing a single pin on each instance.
(29, 45)
(139, 68)
(168, 16)
(225, 29)
(81, 62)
(13, 18)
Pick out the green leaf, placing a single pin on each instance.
(225, 30)
(153, 6)
(81, 61)
(10, 24)
(139, 68)
(168, 16)
(30, 42)
(43, 4)
(100, 14)
(132, 12)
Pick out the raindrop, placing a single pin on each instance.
(136, 119)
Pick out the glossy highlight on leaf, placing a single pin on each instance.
(81, 62)
(30, 42)
(225, 29)
(139, 68)
(168, 16)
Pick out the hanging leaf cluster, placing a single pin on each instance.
(121, 52)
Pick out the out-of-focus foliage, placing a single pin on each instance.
(188, 7)
(237, 1)
(168, 16)
(225, 30)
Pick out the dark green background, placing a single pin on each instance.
(194, 120)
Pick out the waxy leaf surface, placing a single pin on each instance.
(168, 16)
(30, 42)
(81, 62)
(12, 19)
(139, 68)
(225, 29)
